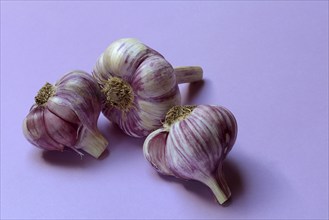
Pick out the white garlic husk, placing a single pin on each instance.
(139, 86)
(65, 116)
(193, 144)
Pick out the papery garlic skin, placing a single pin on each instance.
(152, 82)
(67, 116)
(194, 147)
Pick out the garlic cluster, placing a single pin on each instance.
(192, 144)
(65, 116)
(139, 86)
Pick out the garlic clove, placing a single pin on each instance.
(102, 72)
(58, 106)
(228, 127)
(61, 131)
(35, 131)
(197, 141)
(129, 122)
(154, 78)
(125, 55)
(78, 91)
(151, 112)
(155, 151)
(90, 140)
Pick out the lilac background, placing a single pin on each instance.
(266, 61)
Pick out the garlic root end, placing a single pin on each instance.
(188, 74)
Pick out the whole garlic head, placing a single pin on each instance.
(192, 144)
(139, 86)
(66, 114)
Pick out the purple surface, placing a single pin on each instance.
(265, 61)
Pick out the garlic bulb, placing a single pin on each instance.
(192, 144)
(139, 85)
(66, 114)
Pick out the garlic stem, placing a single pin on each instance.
(188, 74)
(219, 189)
(92, 142)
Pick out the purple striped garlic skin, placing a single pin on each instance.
(139, 86)
(193, 144)
(65, 116)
